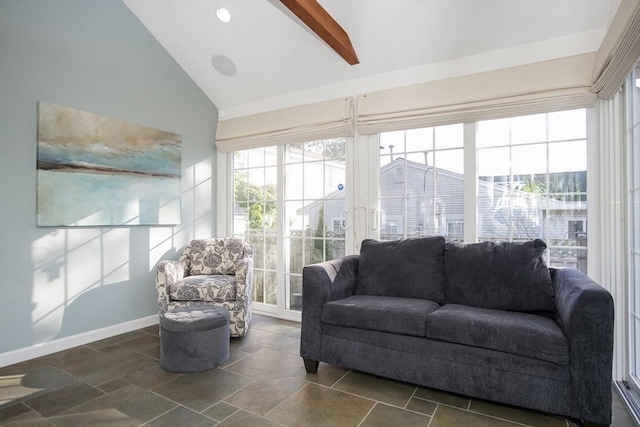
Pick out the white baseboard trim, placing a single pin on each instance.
(50, 347)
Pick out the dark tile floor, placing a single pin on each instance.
(118, 382)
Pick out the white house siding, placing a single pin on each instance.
(531, 216)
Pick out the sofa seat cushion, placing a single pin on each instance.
(503, 276)
(406, 316)
(409, 268)
(214, 288)
(524, 334)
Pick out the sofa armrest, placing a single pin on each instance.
(244, 281)
(321, 283)
(585, 313)
(168, 273)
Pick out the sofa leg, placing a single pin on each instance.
(310, 365)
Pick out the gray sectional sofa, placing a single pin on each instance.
(487, 320)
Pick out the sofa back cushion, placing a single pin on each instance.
(214, 255)
(503, 276)
(409, 268)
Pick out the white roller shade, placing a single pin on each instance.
(619, 51)
(557, 84)
(329, 119)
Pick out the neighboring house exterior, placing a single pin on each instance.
(423, 200)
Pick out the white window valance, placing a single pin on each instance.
(619, 51)
(329, 119)
(553, 85)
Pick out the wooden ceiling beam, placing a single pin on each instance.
(323, 24)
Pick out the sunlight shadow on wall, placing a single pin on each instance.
(69, 262)
(112, 270)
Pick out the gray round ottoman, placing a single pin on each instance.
(194, 338)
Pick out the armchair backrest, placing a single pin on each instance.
(214, 256)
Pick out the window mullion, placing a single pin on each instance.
(282, 256)
(470, 189)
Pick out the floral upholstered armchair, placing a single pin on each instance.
(214, 271)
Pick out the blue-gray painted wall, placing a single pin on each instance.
(93, 56)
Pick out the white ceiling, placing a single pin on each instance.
(279, 62)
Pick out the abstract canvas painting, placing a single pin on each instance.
(99, 171)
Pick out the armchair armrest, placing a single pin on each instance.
(168, 273)
(585, 313)
(244, 281)
(321, 283)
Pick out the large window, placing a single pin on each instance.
(421, 183)
(255, 215)
(532, 183)
(522, 178)
(314, 200)
(289, 204)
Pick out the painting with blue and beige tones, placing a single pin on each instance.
(98, 171)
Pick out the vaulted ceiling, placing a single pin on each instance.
(265, 58)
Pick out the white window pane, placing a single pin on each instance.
(529, 159)
(256, 157)
(335, 218)
(258, 283)
(314, 203)
(416, 190)
(420, 139)
(313, 151)
(293, 181)
(241, 183)
(335, 249)
(570, 124)
(430, 155)
(392, 141)
(271, 250)
(385, 160)
(270, 287)
(334, 149)
(295, 217)
(528, 129)
(313, 180)
(256, 240)
(568, 156)
(493, 162)
(450, 160)
(271, 177)
(543, 192)
(296, 261)
(316, 213)
(392, 179)
(450, 136)
(294, 153)
(419, 158)
(240, 159)
(392, 218)
(294, 283)
(256, 182)
(491, 133)
(335, 178)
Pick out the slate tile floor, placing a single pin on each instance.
(118, 382)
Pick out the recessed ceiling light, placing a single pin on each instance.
(223, 14)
